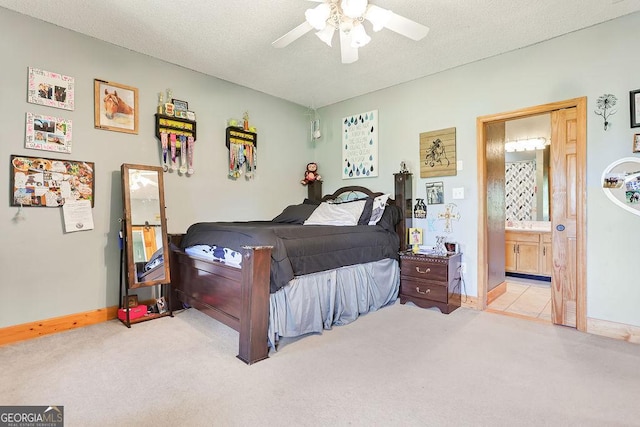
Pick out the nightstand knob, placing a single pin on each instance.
(423, 293)
(421, 271)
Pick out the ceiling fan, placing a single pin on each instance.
(348, 16)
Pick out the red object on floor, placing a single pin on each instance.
(134, 313)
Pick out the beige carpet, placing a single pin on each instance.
(399, 366)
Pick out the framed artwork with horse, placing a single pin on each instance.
(115, 106)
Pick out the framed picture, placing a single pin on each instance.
(48, 133)
(438, 153)
(634, 103)
(415, 236)
(115, 107)
(130, 301)
(360, 145)
(50, 89)
(180, 105)
(41, 182)
(162, 305)
(636, 143)
(435, 193)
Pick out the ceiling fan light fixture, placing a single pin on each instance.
(378, 17)
(326, 34)
(353, 8)
(346, 26)
(347, 18)
(359, 36)
(317, 17)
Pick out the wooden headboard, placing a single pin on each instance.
(351, 193)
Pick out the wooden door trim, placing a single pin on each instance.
(581, 280)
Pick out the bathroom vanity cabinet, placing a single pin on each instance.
(528, 252)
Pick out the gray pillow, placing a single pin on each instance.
(295, 214)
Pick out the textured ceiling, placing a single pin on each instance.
(231, 39)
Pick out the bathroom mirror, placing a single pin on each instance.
(527, 189)
(145, 226)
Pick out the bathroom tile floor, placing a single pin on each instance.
(524, 298)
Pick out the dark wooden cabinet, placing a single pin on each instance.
(431, 280)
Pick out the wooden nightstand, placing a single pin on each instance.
(430, 280)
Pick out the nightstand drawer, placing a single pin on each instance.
(422, 289)
(424, 270)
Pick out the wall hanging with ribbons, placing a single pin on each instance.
(243, 157)
(177, 138)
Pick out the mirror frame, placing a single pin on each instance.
(128, 227)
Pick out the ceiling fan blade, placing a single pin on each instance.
(349, 54)
(406, 27)
(293, 35)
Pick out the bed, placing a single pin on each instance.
(291, 276)
(152, 269)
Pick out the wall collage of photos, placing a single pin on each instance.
(42, 181)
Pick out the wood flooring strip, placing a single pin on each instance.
(519, 316)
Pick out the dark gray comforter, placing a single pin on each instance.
(299, 249)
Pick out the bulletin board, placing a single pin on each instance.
(40, 182)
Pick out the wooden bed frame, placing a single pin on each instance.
(239, 297)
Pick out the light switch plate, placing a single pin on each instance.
(459, 165)
(458, 193)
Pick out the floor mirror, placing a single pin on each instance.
(145, 250)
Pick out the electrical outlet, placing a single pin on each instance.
(458, 193)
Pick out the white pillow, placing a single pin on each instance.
(379, 203)
(336, 213)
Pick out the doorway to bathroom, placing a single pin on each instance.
(526, 290)
(567, 214)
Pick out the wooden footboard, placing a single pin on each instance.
(237, 297)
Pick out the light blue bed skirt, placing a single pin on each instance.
(317, 301)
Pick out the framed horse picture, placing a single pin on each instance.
(115, 106)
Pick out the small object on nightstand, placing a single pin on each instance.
(440, 247)
(415, 238)
(431, 280)
(452, 247)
